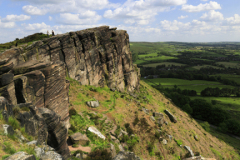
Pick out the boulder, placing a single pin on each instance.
(189, 151)
(164, 141)
(3, 103)
(6, 79)
(51, 155)
(171, 116)
(126, 156)
(8, 130)
(21, 156)
(152, 118)
(196, 138)
(96, 132)
(79, 138)
(5, 115)
(145, 110)
(93, 104)
(199, 158)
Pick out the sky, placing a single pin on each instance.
(144, 20)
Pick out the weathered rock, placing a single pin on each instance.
(6, 79)
(79, 138)
(196, 138)
(164, 141)
(3, 103)
(199, 158)
(5, 115)
(126, 156)
(57, 132)
(51, 155)
(121, 148)
(20, 137)
(170, 137)
(8, 130)
(171, 116)
(152, 118)
(95, 131)
(145, 110)
(95, 56)
(8, 92)
(112, 150)
(189, 150)
(93, 104)
(21, 156)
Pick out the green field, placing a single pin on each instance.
(163, 63)
(160, 58)
(230, 64)
(206, 66)
(175, 81)
(232, 77)
(197, 85)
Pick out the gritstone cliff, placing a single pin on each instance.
(37, 73)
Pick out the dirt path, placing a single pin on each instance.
(81, 148)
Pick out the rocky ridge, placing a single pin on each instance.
(34, 76)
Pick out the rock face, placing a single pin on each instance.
(36, 75)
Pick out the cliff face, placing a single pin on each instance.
(36, 73)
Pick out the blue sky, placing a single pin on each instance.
(144, 20)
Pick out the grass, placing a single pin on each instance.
(163, 63)
(230, 64)
(233, 77)
(206, 66)
(175, 81)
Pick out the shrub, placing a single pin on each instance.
(5, 156)
(16, 110)
(72, 112)
(13, 122)
(179, 142)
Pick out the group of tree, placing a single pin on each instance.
(203, 110)
(217, 92)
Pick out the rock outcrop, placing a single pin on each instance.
(36, 75)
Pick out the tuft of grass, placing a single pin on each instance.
(8, 148)
(179, 142)
(13, 122)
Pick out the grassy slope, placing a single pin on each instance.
(126, 109)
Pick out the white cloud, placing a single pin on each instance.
(174, 26)
(141, 12)
(183, 17)
(212, 5)
(50, 18)
(212, 16)
(13, 18)
(88, 17)
(36, 26)
(42, 1)
(7, 24)
(235, 20)
(204, 0)
(29, 9)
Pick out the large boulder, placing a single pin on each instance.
(21, 156)
(126, 156)
(96, 132)
(79, 138)
(171, 116)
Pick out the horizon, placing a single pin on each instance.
(200, 21)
